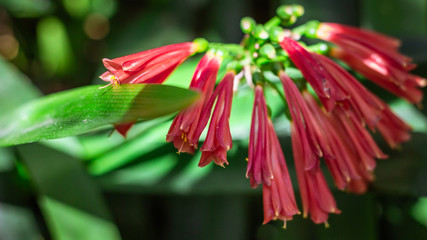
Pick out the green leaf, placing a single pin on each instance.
(410, 115)
(18, 222)
(15, 89)
(80, 110)
(148, 141)
(70, 201)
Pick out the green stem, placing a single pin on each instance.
(275, 21)
(300, 30)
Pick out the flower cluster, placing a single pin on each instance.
(331, 113)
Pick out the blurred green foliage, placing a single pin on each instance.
(97, 187)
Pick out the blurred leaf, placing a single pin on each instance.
(106, 8)
(410, 115)
(146, 173)
(77, 8)
(191, 174)
(6, 160)
(22, 92)
(419, 211)
(54, 45)
(180, 173)
(148, 141)
(27, 8)
(71, 203)
(69, 145)
(80, 110)
(17, 223)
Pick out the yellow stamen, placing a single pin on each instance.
(326, 224)
(114, 80)
(284, 224)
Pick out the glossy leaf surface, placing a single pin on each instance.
(80, 110)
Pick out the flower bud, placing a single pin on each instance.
(260, 32)
(297, 10)
(284, 12)
(247, 24)
(311, 29)
(268, 51)
(276, 34)
(321, 48)
(202, 44)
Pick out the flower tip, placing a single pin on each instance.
(422, 82)
(123, 128)
(284, 224)
(326, 224)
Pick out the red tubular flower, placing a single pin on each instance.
(259, 163)
(362, 141)
(353, 149)
(317, 199)
(375, 56)
(310, 132)
(314, 73)
(151, 66)
(186, 129)
(315, 194)
(367, 106)
(328, 30)
(278, 197)
(342, 162)
(218, 140)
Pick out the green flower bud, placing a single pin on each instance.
(260, 32)
(268, 51)
(321, 48)
(247, 24)
(311, 28)
(290, 21)
(276, 34)
(202, 44)
(297, 10)
(284, 12)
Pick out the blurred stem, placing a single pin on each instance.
(275, 21)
